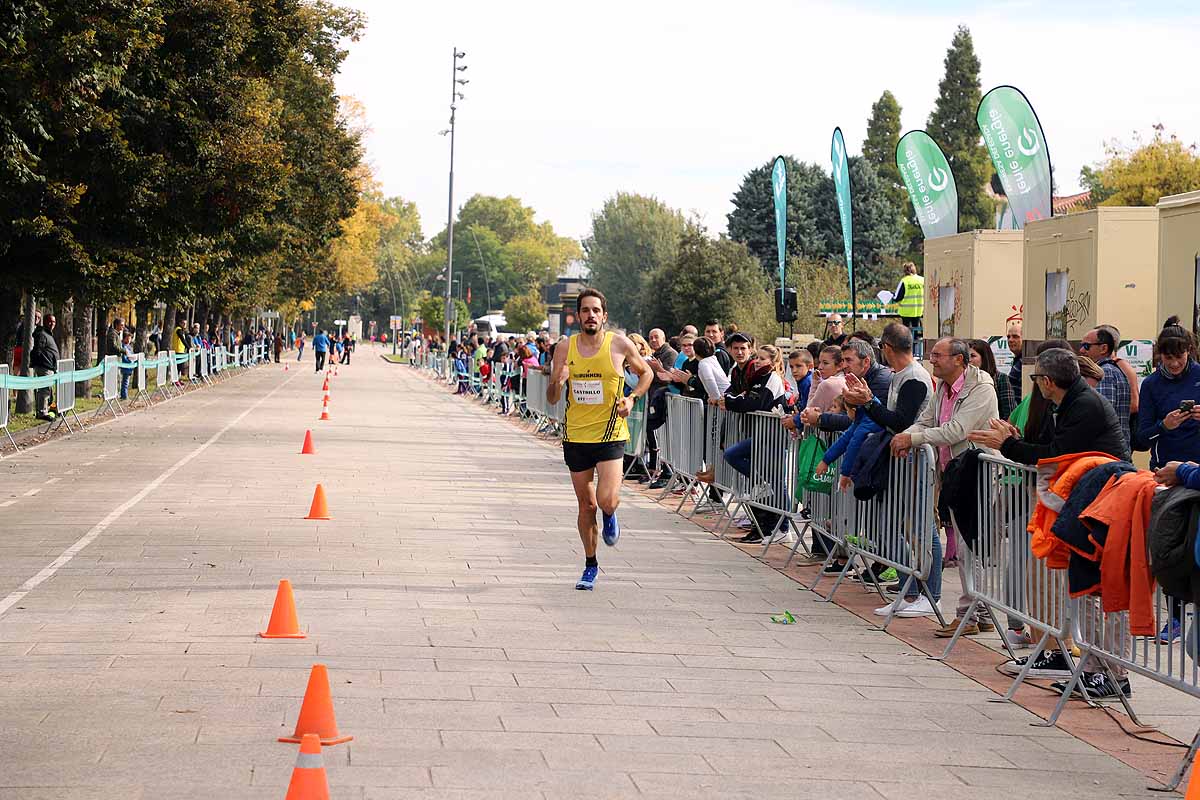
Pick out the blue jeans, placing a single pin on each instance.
(126, 374)
(737, 455)
(934, 580)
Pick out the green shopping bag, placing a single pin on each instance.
(807, 457)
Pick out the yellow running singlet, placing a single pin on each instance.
(594, 389)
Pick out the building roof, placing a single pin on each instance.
(1071, 202)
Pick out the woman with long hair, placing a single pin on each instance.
(983, 357)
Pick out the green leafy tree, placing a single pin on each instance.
(953, 126)
(878, 229)
(811, 213)
(525, 312)
(632, 238)
(507, 217)
(879, 148)
(1141, 174)
(432, 309)
(709, 279)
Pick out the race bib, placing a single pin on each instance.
(587, 393)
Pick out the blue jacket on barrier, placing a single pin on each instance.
(848, 443)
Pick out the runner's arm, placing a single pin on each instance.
(558, 372)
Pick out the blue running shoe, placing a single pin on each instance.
(612, 531)
(1171, 632)
(587, 581)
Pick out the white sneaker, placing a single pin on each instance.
(921, 607)
(896, 604)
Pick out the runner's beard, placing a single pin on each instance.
(591, 327)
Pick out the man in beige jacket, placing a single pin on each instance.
(965, 398)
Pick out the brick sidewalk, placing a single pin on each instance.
(440, 595)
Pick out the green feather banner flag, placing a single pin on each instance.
(779, 192)
(841, 183)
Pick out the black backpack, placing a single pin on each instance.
(1171, 542)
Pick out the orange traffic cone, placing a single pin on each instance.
(283, 624)
(1193, 789)
(325, 399)
(319, 509)
(316, 712)
(308, 778)
(325, 388)
(307, 448)
(285, 367)
(325, 408)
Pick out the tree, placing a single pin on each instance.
(953, 126)
(632, 238)
(811, 213)
(507, 217)
(1140, 175)
(525, 312)
(879, 148)
(709, 279)
(878, 229)
(432, 309)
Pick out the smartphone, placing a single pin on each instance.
(1186, 406)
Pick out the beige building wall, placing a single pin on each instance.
(983, 272)
(1105, 266)
(1179, 259)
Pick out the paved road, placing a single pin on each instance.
(440, 595)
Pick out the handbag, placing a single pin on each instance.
(809, 454)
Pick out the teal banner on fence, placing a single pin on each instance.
(779, 192)
(1018, 149)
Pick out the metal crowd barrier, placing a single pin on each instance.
(1000, 573)
(64, 397)
(112, 382)
(139, 373)
(4, 410)
(895, 529)
(1104, 640)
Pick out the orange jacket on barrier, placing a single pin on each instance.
(1126, 581)
(1055, 479)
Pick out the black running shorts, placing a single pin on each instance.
(582, 456)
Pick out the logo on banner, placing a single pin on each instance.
(1033, 146)
(938, 179)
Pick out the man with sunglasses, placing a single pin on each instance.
(837, 332)
(1098, 345)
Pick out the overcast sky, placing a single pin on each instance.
(570, 103)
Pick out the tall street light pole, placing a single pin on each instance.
(455, 96)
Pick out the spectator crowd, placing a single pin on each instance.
(1085, 407)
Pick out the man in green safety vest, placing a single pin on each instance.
(910, 299)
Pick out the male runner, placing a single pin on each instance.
(593, 367)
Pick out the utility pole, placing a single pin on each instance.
(455, 96)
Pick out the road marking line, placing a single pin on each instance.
(32, 492)
(51, 480)
(7, 503)
(68, 554)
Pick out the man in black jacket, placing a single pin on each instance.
(1083, 421)
(43, 358)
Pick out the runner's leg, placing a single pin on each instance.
(608, 493)
(585, 494)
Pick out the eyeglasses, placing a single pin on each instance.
(1036, 375)
(1087, 345)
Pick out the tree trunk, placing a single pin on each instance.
(141, 335)
(168, 329)
(25, 396)
(82, 321)
(64, 331)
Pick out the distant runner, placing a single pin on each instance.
(592, 366)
